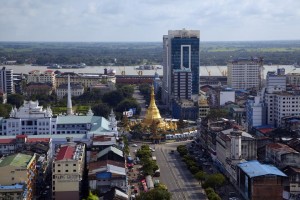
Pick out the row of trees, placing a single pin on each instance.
(208, 181)
(149, 166)
(126, 54)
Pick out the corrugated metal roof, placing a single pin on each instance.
(98, 124)
(254, 168)
(108, 149)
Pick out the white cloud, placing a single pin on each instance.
(147, 20)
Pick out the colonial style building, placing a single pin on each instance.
(36, 76)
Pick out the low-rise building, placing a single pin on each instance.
(282, 155)
(67, 171)
(19, 168)
(184, 109)
(258, 181)
(293, 184)
(76, 90)
(105, 174)
(13, 192)
(38, 89)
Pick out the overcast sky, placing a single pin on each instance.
(148, 20)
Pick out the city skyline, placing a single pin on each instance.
(107, 21)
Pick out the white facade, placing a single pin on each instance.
(76, 90)
(32, 119)
(6, 81)
(36, 76)
(255, 113)
(244, 74)
(275, 83)
(226, 96)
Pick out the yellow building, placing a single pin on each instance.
(87, 80)
(67, 171)
(18, 169)
(203, 107)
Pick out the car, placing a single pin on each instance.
(153, 150)
(172, 151)
(134, 145)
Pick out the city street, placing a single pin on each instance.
(174, 174)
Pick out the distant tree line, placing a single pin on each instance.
(127, 54)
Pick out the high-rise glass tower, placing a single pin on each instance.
(180, 51)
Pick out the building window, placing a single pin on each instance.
(67, 165)
(74, 165)
(58, 170)
(74, 170)
(67, 170)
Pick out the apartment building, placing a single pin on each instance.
(245, 73)
(36, 76)
(67, 171)
(18, 169)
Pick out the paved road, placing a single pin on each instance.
(175, 175)
(140, 99)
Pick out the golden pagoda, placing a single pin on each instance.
(153, 114)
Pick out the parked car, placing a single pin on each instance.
(134, 145)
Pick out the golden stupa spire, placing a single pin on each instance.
(152, 112)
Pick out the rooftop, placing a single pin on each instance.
(70, 151)
(98, 124)
(65, 153)
(16, 160)
(108, 149)
(254, 169)
(281, 148)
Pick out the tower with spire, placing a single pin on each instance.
(69, 103)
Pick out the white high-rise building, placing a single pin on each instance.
(7, 81)
(245, 73)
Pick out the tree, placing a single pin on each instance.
(92, 196)
(5, 110)
(156, 193)
(113, 98)
(101, 109)
(200, 176)
(214, 180)
(128, 103)
(15, 100)
(126, 90)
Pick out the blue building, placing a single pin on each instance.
(184, 109)
(260, 181)
(180, 51)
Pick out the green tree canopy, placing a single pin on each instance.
(92, 196)
(15, 100)
(126, 90)
(155, 194)
(126, 104)
(214, 181)
(200, 176)
(113, 98)
(101, 109)
(5, 110)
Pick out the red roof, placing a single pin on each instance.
(34, 140)
(265, 130)
(21, 136)
(7, 141)
(65, 153)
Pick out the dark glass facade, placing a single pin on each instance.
(190, 57)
